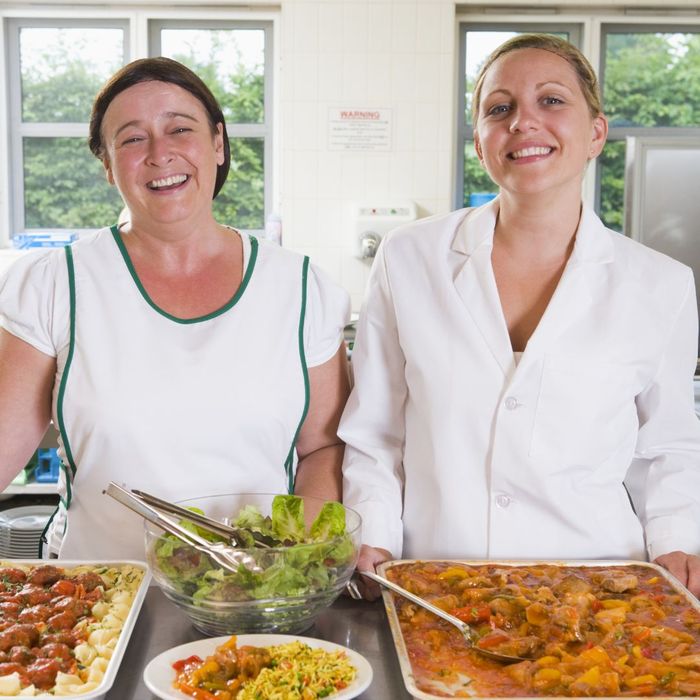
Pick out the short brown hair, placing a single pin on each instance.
(164, 70)
(554, 44)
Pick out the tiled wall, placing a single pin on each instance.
(398, 55)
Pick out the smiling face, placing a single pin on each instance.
(161, 154)
(534, 130)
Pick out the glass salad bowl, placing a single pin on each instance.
(310, 553)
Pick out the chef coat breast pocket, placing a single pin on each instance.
(585, 411)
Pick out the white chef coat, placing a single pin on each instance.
(176, 407)
(454, 449)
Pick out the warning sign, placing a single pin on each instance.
(359, 129)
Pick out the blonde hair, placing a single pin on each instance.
(547, 42)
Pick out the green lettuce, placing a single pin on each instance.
(250, 518)
(330, 522)
(309, 567)
(288, 519)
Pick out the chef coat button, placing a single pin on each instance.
(503, 501)
(511, 403)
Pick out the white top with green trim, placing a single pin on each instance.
(178, 408)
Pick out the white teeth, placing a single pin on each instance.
(167, 181)
(532, 151)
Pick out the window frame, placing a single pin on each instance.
(136, 18)
(18, 130)
(620, 133)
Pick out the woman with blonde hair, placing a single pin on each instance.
(523, 375)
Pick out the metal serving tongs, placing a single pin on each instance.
(217, 527)
(226, 555)
(463, 627)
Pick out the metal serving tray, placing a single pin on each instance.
(463, 690)
(127, 629)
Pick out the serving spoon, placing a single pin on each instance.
(463, 627)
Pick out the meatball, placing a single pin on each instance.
(21, 655)
(45, 575)
(9, 611)
(61, 637)
(94, 595)
(61, 652)
(89, 580)
(31, 594)
(10, 667)
(64, 587)
(42, 673)
(62, 621)
(35, 613)
(18, 635)
(77, 606)
(11, 575)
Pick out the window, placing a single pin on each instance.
(651, 85)
(56, 66)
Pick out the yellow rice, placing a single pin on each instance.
(299, 672)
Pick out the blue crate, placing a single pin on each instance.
(43, 240)
(476, 199)
(48, 466)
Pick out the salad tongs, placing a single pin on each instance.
(227, 556)
(215, 526)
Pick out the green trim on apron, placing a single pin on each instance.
(69, 475)
(232, 302)
(289, 463)
(66, 371)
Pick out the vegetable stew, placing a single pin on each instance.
(606, 631)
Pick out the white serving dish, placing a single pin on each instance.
(127, 629)
(402, 651)
(159, 674)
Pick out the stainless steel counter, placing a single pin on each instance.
(359, 625)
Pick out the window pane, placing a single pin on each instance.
(62, 69)
(241, 201)
(230, 61)
(476, 179)
(612, 184)
(65, 186)
(652, 79)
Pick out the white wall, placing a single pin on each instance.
(396, 55)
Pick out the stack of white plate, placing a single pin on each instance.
(20, 530)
